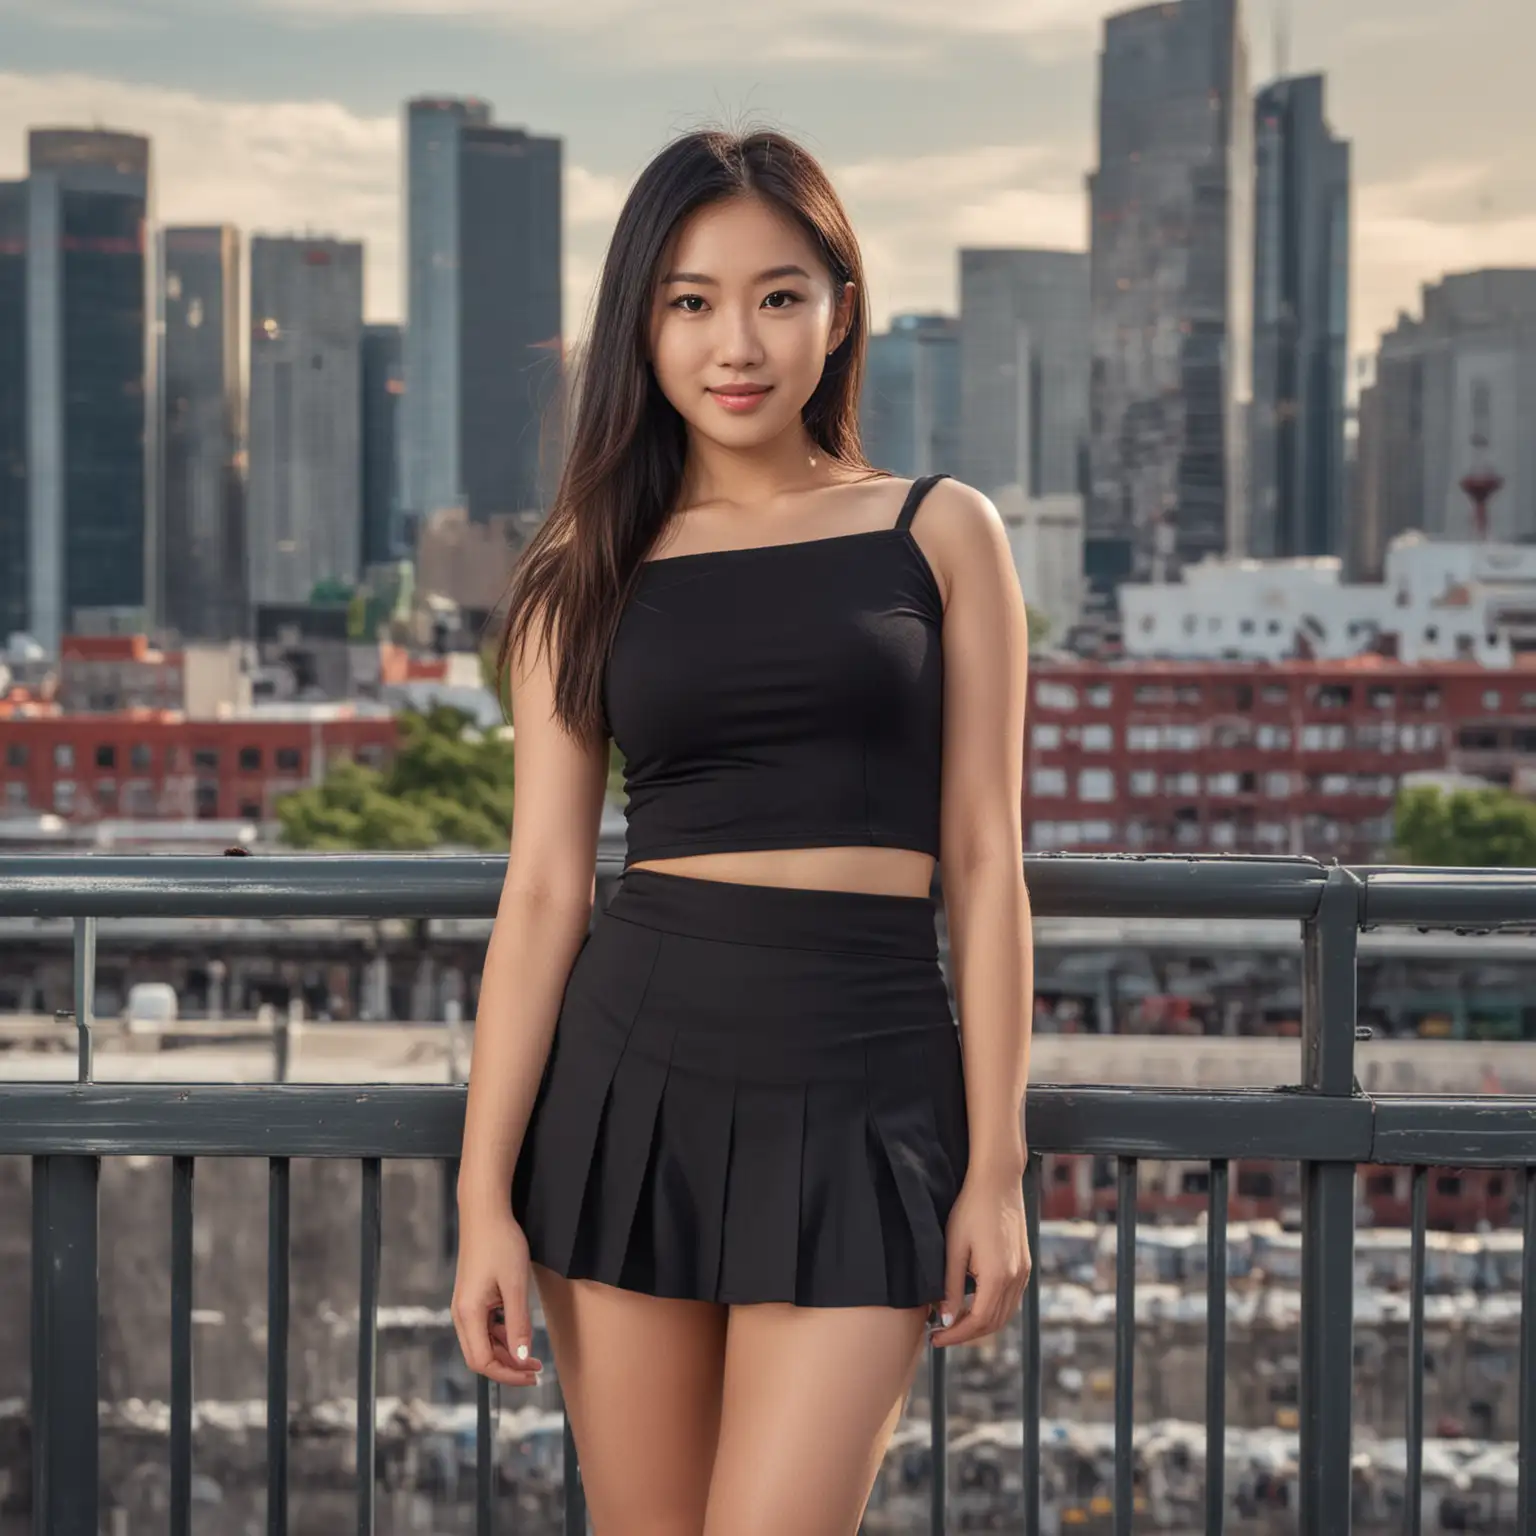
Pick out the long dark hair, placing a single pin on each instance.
(624, 468)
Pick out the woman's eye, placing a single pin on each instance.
(783, 293)
(684, 299)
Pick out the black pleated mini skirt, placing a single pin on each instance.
(754, 1093)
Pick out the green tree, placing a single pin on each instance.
(449, 782)
(1484, 828)
(1039, 628)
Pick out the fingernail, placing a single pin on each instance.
(522, 1351)
(946, 1318)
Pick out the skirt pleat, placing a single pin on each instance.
(761, 1243)
(753, 1094)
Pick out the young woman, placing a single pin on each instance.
(733, 1132)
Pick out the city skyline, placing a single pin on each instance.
(303, 131)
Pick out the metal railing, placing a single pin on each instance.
(1324, 1123)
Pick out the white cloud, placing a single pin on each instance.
(803, 31)
(1411, 231)
(268, 167)
(913, 213)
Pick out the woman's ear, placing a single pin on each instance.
(842, 319)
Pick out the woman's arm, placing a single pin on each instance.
(986, 903)
(541, 919)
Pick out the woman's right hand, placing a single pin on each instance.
(490, 1299)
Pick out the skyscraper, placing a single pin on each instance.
(509, 316)
(1300, 324)
(429, 439)
(383, 390)
(483, 311)
(1024, 369)
(89, 446)
(1453, 395)
(13, 408)
(1171, 283)
(202, 487)
(304, 501)
(909, 413)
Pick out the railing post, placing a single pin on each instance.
(1330, 942)
(64, 1346)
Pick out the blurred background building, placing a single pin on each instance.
(1171, 282)
(909, 413)
(305, 415)
(203, 549)
(89, 449)
(1300, 324)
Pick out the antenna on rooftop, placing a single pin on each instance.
(1282, 18)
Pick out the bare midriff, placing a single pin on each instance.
(875, 871)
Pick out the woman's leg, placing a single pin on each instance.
(641, 1376)
(812, 1396)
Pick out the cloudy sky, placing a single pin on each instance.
(942, 124)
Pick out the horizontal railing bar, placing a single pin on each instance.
(366, 885)
(1493, 1132)
(1440, 898)
(426, 1121)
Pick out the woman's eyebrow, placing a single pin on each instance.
(703, 278)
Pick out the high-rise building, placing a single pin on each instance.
(202, 484)
(482, 350)
(383, 390)
(89, 430)
(430, 476)
(510, 355)
(1024, 370)
(1453, 393)
(1300, 324)
(909, 413)
(304, 496)
(1171, 285)
(13, 408)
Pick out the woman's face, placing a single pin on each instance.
(744, 303)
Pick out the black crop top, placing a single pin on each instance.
(782, 696)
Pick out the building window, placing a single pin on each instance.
(250, 759)
(1142, 738)
(1055, 696)
(1046, 737)
(250, 811)
(1100, 696)
(64, 796)
(1493, 699)
(16, 797)
(140, 757)
(206, 758)
(1048, 781)
(1098, 738)
(1143, 782)
(1096, 785)
(1182, 784)
(1277, 785)
(15, 755)
(288, 759)
(63, 756)
(106, 755)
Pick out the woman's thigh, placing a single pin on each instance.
(642, 1378)
(812, 1396)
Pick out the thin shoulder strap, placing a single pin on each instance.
(920, 488)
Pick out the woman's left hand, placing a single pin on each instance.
(986, 1236)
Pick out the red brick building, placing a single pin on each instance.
(157, 763)
(1292, 757)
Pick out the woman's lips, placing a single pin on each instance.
(741, 401)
